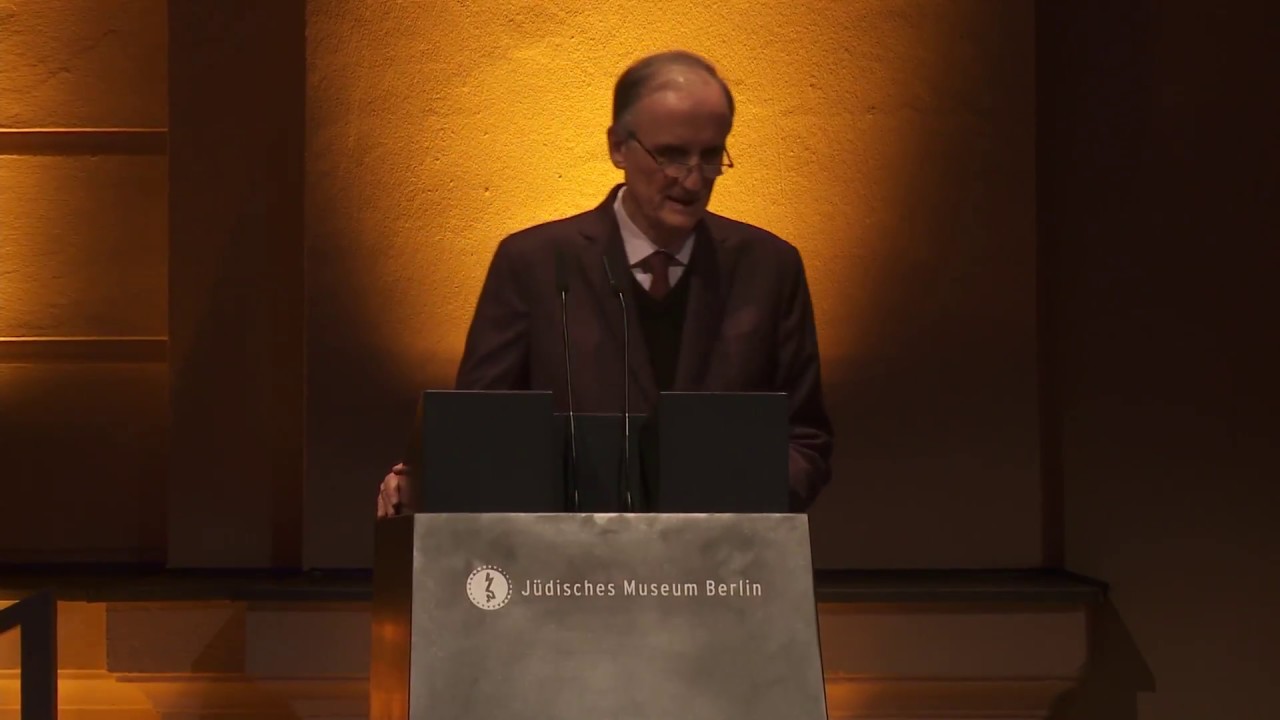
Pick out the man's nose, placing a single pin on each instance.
(693, 180)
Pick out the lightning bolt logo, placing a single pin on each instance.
(488, 587)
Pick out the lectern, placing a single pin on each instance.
(499, 599)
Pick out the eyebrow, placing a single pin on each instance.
(668, 149)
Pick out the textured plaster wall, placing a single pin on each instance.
(64, 219)
(83, 243)
(892, 142)
(437, 127)
(71, 63)
(82, 246)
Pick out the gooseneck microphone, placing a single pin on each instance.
(562, 286)
(624, 477)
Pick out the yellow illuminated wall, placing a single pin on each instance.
(73, 75)
(439, 127)
(892, 141)
(83, 276)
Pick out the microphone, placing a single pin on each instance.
(624, 484)
(562, 286)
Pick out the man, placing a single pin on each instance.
(716, 305)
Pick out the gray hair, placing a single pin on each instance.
(632, 84)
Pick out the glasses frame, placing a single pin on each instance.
(678, 169)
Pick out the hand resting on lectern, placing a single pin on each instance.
(393, 495)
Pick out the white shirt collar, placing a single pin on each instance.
(637, 244)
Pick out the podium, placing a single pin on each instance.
(493, 600)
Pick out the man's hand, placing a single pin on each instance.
(393, 496)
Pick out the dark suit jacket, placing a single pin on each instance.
(749, 326)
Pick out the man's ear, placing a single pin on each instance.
(617, 138)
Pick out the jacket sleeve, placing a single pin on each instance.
(496, 354)
(799, 375)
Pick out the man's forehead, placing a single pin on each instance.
(687, 85)
(683, 109)
(682, 76)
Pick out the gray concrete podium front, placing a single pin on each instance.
(595, 616)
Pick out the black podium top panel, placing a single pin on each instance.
(722, 452)
(510, 452)
(486, 452)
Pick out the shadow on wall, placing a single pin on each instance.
(1116, 673)
(1157, 171)
(235, 156)
(360, 403)
(934, 407)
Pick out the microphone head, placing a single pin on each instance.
(562, 273)
(608, 271)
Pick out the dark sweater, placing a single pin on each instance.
(662, 322)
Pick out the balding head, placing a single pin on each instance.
(675, 71)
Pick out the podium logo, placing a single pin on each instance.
(488, 587)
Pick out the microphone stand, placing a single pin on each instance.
(562, 282)
(624, 477)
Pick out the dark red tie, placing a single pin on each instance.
(658, 265)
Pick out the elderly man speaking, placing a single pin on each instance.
(720, 305)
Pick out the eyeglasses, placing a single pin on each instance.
(679, 169)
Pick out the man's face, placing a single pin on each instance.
(684, 118)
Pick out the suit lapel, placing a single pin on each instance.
(704, 312)
(604, 244)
